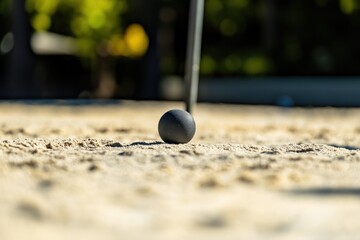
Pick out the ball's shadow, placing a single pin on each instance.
(140, 143)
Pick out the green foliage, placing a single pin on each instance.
(227, 16)
(230, 23)
(349, 6)
(239, 36)
(244, 37)
(91, 22)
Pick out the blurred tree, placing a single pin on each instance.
(93, 24)
(97, 27)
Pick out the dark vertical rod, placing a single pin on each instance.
(193, 53)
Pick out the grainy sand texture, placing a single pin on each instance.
(100, 171)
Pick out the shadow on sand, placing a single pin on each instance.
(145, 143)
(344, 147)
(327, 191)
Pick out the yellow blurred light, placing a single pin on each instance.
(136, 40)
(347, 6)
(214, 6)
(48, 6)
(239, 3)
(41, 22)
(228, 27)
(79, 26)
(116, 46)
(96, 20)
(207, 65)
(256, 65)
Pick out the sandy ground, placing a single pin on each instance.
(101, 172)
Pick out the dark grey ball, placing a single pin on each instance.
(177, 126)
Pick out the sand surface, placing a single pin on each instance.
(102, 172)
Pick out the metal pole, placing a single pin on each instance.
(193, 52)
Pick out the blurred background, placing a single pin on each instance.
(255, 52)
